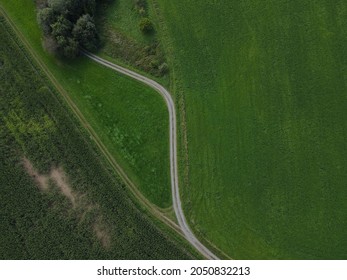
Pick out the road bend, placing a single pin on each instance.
(176, 200)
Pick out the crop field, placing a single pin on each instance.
(130, 119)
(58, 200)
(263, 86)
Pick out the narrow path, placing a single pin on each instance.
(176, 200)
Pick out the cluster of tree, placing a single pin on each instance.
(69, 25)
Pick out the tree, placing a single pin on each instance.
(68, 25)
(62, 27)
(89, 7)
(146, 25)
(58, 6)
(71, 48)
(85, 32)
(61, 32)
(76, 8)
(45, 18)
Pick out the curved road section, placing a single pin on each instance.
(176, 200)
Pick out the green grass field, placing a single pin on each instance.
(59, 200)
(122, 39)
(121, 16)
(130, 119)
(264, 88)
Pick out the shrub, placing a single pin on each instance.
(146, 25)
(141, 4)
(163, 69)
(142, 12)
(154, 63)
(50, 45)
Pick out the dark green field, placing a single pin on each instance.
(130, 119)
(264, 88)
(59, 199)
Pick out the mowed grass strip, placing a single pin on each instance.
(265, 91)
(58, 198)
(130, 118)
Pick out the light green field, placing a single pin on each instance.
(264, 85)
(130, 119)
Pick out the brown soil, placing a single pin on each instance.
(58, 176)
(40, 180)
(102, 234)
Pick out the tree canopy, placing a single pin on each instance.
(69, 25)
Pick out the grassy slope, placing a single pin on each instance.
(43, 225)
(123, 41)
(120, 16)
(265, 93)
(131, 119)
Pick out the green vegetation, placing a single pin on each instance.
(128, 35)
(58, 200)
(129, 118)
(146, 25)
(68, 25)
(265, 101)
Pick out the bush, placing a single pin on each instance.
(146, 25)
(142, 12)
(141, 4)
(154, 63)
(50, 45)
(163, 69)
(140, 7)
